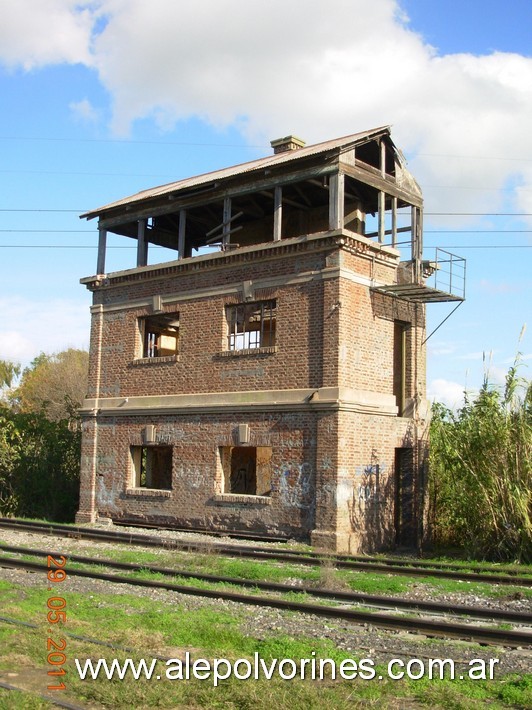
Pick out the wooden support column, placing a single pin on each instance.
(394, 221)
(382, 218)
(383, 158)
(142, 244)
(226, 226)
(181, 234)
(420, 232)
(382, 195)
(336, 201)
(414, 245)
(102, 245)
(277, 213)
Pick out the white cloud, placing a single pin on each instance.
(479, 355)
(447, 392)
(499, 287)
(85, 111)
(316, 69)
(28, 328)
(35, 33)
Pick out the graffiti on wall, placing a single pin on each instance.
(367, 493)
(295, 485)
(108, 491)
(367, 479)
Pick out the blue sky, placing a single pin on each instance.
(120, 95)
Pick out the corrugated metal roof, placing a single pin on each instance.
(272, 160)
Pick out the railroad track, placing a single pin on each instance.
(443, 628)
(400, 567)
(46, 698)
(381, 602)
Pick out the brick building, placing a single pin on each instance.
(269, 377)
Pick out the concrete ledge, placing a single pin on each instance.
(240, 498)
(248, 351)
(335, 398)
(155, 360)
(148, 493)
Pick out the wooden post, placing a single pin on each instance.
(383, 158)
(102, 244)
(182, 234)
(142, 244)
(382, 224)
(420, 232)
(277, 213)
(382, 195)
(414, 245)
(336, 201)
(394, 221)
(226, 226)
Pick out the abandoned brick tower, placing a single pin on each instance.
(269, 376)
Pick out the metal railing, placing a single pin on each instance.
(447, 272)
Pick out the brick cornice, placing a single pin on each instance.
(321, 241)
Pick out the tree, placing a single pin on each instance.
(39, 465)
(55, 384)
(8, 372)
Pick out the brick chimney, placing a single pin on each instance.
(282, 145)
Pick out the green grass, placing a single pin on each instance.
(14, 700)
(321, 576)
(168, 629)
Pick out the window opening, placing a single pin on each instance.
(152, 467)
(404, 496)
(247, 469)
(251, 325)
(160, 335)
(400, 329)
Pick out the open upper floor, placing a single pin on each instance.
(358, 183)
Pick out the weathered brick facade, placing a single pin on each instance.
(330, 417)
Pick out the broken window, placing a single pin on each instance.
(247, 469)
(251, 325)
(152, 467)
(160, 335)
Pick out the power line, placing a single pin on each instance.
(58, 172)
(154, 246)
(456, 232)
(49, 231)
(427, 214)
(130, 141)
(2, 209)
(484, 246)
(478, 214)
(474, 231)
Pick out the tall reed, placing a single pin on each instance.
(480, 483)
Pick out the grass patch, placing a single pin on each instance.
(15, 700)
(155, 627)
(375, 583)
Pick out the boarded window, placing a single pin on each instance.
(160, 335)
(152, 467)
(251, 325)
(247, 469)
(400, 330)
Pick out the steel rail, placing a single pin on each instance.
(499, 615)
(126, 522)
(306, 558)
(396, 561)
(48, 698)
(443, 629)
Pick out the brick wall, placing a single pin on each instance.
(332, 467)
